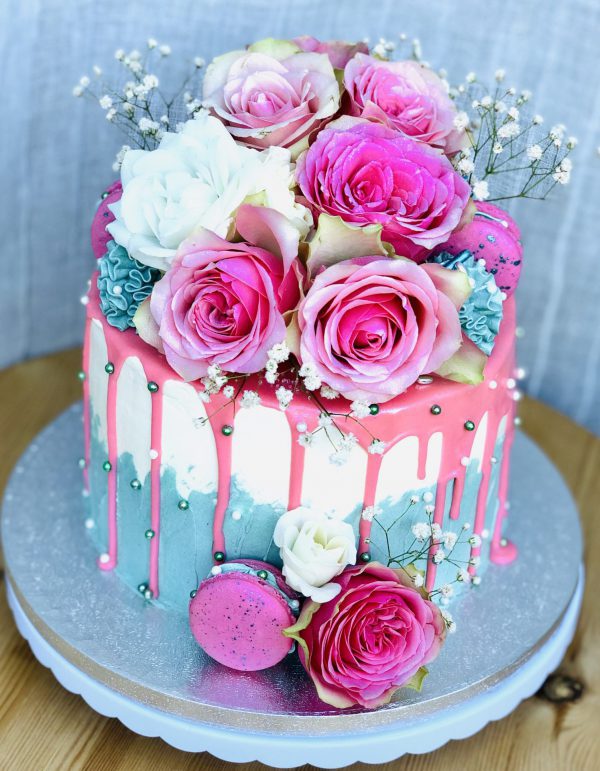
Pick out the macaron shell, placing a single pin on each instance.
(498, 245)
(238, 620)
(275, 572)
(103, 217)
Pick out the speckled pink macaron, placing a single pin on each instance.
(238, 618)
(494, 237)
(103, 216)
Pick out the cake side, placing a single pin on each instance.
(174, 481)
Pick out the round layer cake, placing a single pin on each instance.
(175, 483)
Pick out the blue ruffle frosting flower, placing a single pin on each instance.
(123, 284)
(481, 314)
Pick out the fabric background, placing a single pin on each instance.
(56, 152)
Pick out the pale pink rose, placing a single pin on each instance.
(367, 173)
(374, 637)
(225, 303)
(371, 326)
(272, 94)
(408, 97)
(338, 51)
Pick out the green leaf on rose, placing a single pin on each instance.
(336, 241)
(466, 365)
(416, 681)
(278, 49)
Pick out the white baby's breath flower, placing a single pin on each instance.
(572, 142)
(497, 148)
(499, 75)
(436, 530)
(465, 166)
(449, 539)
(105, 102)
(97, 70)
(228, 392)
(305, 439)
(526, 95)
(486, 101)
(147, 126)
(461, 121)
(84, 81)
(418, 580)
(271, 377)
(369, 513)
(151, 43)
(537, 120)
(314, 550)
(339, 458)
(360, 409)
(348, 442)
(164, 50)
(279, 353)
(449, 621)
(284, 397)
(307, 370)
(430, 509)
(312, 382)
(481, 190)
(78, 91)
(475, 540)
(509, 130)
(199, 62)
(119, 54)
(471, 77)
(499, 107)
(463, 576)
(421, 531)
(249, 399)
(513, 113)
(111, 114)
(328, 393)
(534, 152)
(446, 590)
(377, 447)
(439, 556)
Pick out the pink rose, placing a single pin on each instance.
(376, 636)
(368, 173)
(408, 97)
(371, 326)
(338, 51)
(225, 303)
(272, 94)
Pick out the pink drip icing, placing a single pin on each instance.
(296, 463)
(221, 413)
(371, 478)
(111, 433)
(499, 554)
(457, 494)
(86, 404)
(438, 519)
(482, 494)
(155, 464)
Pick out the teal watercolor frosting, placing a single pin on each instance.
(481, 314)
(123, 284)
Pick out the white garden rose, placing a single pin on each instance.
(197, 177)
(314, 550)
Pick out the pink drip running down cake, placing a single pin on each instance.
(299, 363)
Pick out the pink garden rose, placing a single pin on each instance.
(224, 303)
(338, 51)
(408, 97)
(374, 637)
(371, 326)
(272, 94)
(368, 173)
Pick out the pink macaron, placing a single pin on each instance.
(494, 237)
(103, 217)
(239, 612)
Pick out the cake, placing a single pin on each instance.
(299, 360)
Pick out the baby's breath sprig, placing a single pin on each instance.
(139, 107)
(510, 155)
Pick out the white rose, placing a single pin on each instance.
(196, 178)
(314, 549)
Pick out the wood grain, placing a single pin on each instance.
(45, 728)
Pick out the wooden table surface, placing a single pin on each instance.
(42, 726)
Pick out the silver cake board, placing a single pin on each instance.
(133, 660)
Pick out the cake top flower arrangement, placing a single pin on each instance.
(310, 209)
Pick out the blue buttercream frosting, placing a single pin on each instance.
(123, 284)
(481, 314)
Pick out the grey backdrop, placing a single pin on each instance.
(56, 152)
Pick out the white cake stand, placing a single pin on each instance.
(135, 661)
